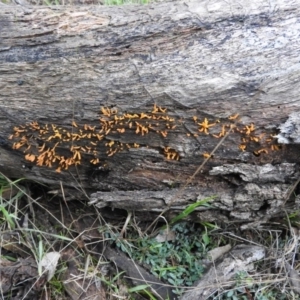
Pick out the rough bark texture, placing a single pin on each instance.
(221, 274)
(210, 60)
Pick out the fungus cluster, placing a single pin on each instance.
(248, 136)
(46, 145)
(55, 146)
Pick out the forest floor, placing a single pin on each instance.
(57, 249)
(51, 248)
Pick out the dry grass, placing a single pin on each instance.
(78, 2)
(33, 224)
(46, 225)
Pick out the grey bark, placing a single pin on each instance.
(210, 59)
(221, 274)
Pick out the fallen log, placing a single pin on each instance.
(125, 103)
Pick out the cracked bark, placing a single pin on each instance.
(206, 59)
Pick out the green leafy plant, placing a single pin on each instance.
(177, 262)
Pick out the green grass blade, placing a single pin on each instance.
(138, 288)
(191, 208)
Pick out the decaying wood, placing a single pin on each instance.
(290, 130)
(259, 193)
(139, 275)
(220, 275)
(18, 279)
(210, 60)
(77, 287)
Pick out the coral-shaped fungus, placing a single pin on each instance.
(55, 146)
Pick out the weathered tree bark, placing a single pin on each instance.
(207, 60)
(240, 258)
